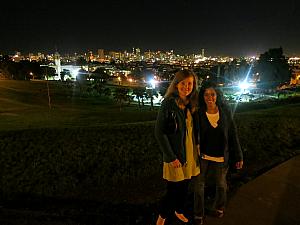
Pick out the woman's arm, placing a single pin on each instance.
(160, 132)
(234, 143)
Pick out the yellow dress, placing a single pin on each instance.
(191, 167)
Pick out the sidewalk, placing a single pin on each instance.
(271, 199)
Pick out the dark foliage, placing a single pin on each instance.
(273, 68)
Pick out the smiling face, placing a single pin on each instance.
(210, 97)
(185, 87)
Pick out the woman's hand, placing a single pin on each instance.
(239, 165)
(176, 163)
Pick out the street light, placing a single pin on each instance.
(153, 83)
(31, 75)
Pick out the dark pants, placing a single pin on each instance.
(218, 172)
(174, 199)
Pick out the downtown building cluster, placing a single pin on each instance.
(121, 64)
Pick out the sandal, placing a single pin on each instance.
(160, 221)
(219, 213)
(181, 217)
(198, 221)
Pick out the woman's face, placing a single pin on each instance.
(210, 97)
(185, 87)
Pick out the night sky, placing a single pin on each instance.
(224, 27)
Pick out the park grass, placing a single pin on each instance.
(284, 110)
(25, 105)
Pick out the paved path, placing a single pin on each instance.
(271, 199)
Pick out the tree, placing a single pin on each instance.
(236, 71)
(81, 61)
(273, 68)
(107, 92)
(150, 93)
(97, 86)
(100, 74)
(48, 72)
(202, 73)
(65, 73)
(137, 74)
(163, 87)
(31, 69)
(23, 70)
(139, 93)
(121, 96)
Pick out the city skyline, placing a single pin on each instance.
(230, 28)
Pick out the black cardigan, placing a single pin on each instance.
(232, 149)
(170, 141)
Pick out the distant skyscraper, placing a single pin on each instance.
(115, 55)
(138, 54)
(138, 51)
(101, 54)
(202, 52)
(90, 56)
(40, 56)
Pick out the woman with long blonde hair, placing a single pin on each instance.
(174, 132)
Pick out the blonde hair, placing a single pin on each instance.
(172, 90)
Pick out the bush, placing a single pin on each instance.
(82, 162)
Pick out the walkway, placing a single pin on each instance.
(271, 199)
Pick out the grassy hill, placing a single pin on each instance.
(85, 157)
(24, 104)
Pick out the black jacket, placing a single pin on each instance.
(232, 149)
(170, 131)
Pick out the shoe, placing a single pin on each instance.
(199, 221)
(181, 217)
(219, 213)
(160, 220)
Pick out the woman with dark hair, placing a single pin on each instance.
(175, 135)
(218, 143)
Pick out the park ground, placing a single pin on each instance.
(25, 105)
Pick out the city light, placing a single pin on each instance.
(244, 85)
(153, 83)
(74, 72)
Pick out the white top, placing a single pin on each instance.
(213, 119)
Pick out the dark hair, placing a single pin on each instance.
(220, 98)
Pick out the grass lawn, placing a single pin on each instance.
(24, 104)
